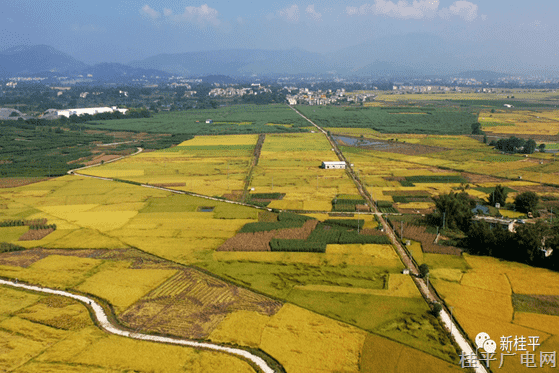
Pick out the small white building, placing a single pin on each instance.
(209, 121)
(330, 165)
(91, 111)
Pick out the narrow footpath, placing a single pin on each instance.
(106, 325)
(428, 294)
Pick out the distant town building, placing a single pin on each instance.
(91, 111)
(330, 165)
(209, 121)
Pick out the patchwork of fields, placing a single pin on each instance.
(101, 224)
(206, 269)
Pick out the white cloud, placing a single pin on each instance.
(484, 17)
(148, 11)
(416, 9)
(313, 13)
(461, 8)
(167, 12)
(291, 14)
(202, 15)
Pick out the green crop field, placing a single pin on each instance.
(394, 120)
(236, 119)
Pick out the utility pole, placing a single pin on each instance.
(444, 219)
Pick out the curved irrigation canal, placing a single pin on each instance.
(107, 326)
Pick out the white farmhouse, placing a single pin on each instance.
(330, 165)
(91, 111)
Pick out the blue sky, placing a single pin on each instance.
(121, 31)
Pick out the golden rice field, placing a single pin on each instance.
(312, 342)
(289, 164)
(208, 165)
(520, 122)
(481, 300)
(53, 334)
(123, 286)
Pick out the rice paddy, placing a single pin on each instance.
(348, 309)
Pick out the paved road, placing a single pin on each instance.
(423, 287)
(102, 319)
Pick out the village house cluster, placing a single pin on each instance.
(319, 97)
(254, 89)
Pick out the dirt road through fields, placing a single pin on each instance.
(426, 292)
(106, 325)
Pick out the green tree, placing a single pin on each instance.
(529, 147)
(453, 210)
(476, 129)
(526, 201)
(541, 147)
(423, 270)
(499, 195)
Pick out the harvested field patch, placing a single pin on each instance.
(13, 182)
(542, 304)
(260, 241)
(192, 304)
(36, 234)
(390, 146)
(419, 233)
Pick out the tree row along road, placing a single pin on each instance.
(106, 325)
(427, 293)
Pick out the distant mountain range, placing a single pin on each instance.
(32, 59)
(395, 57)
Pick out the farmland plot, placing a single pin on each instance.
(191, 304)
(209, 165)
(290, 164)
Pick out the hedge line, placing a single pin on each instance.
(262, 226)
(290, 216)
(6, 247)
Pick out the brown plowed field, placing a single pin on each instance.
(191, 304)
